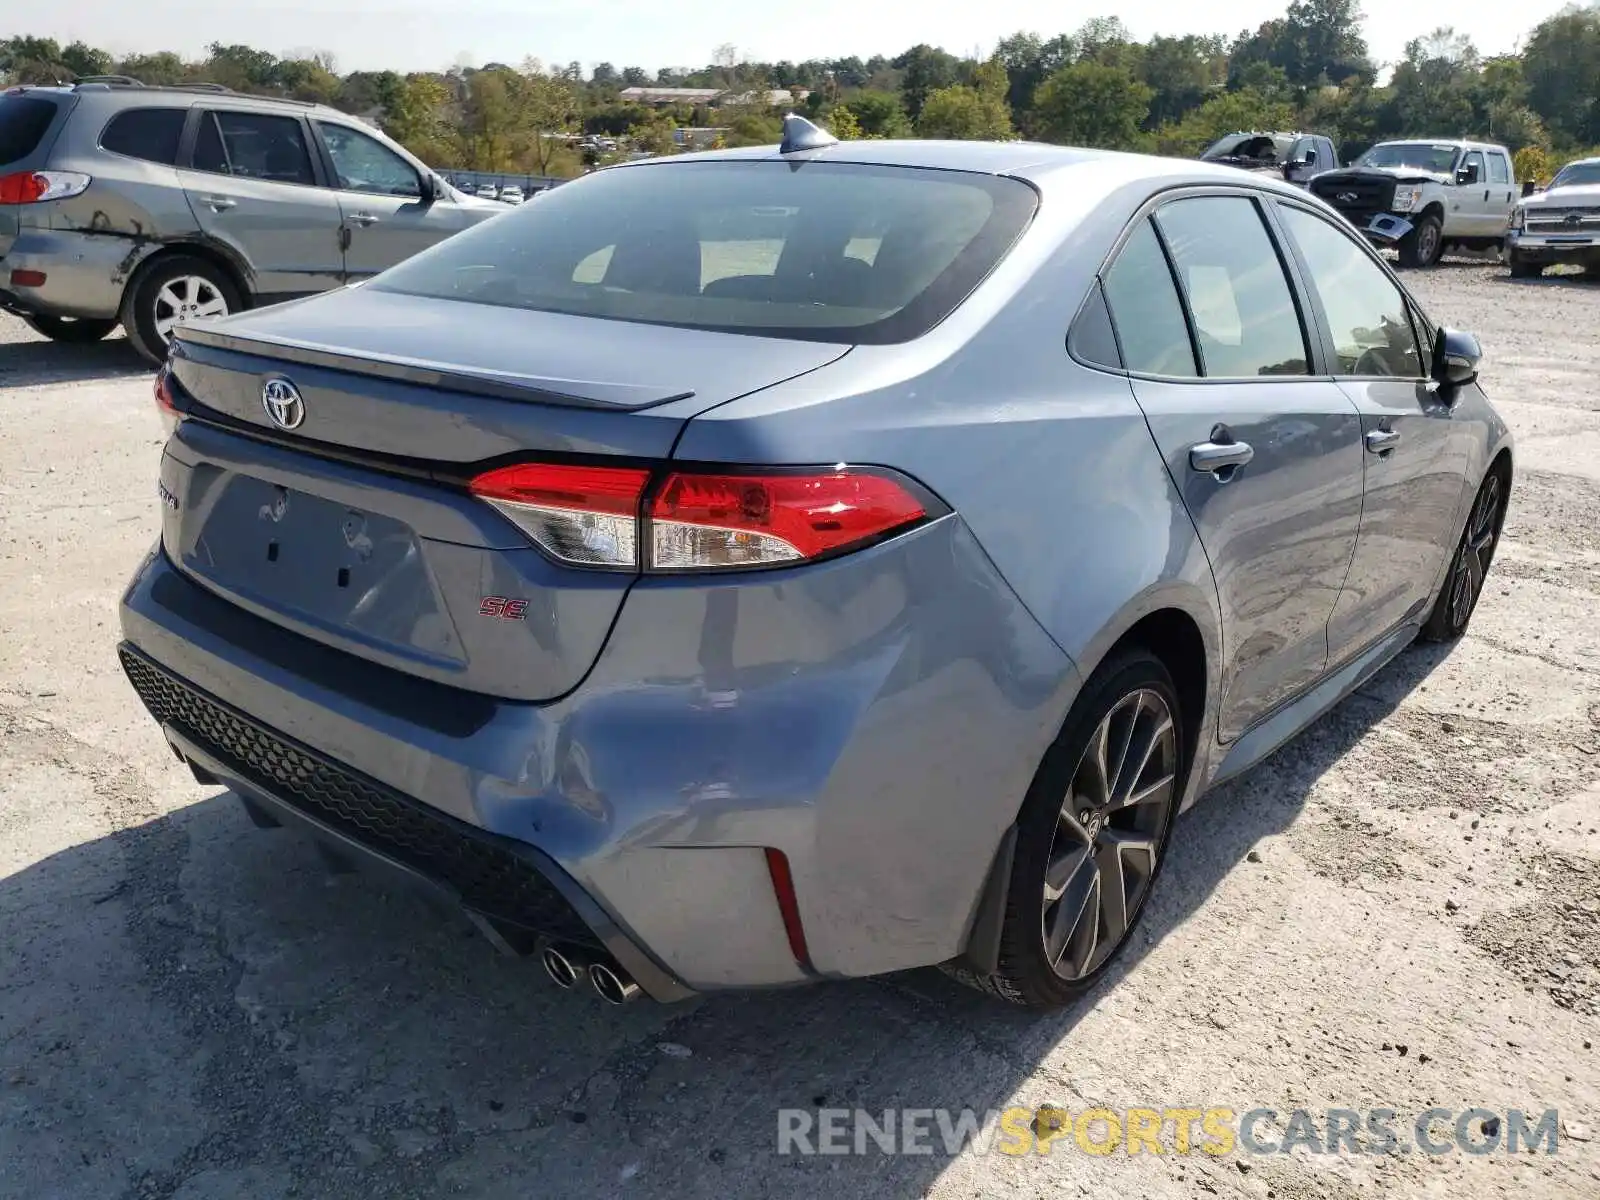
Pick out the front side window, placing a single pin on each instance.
(1239, 298)
(1367, 314)
(364, 164)
(1473, 160)
(1146, 311)
(836, 252)
(148, 133)
(253, 146)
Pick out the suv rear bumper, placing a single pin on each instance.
(876, 719)
(84, 272)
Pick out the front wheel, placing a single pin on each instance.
(1523, 268)
(1424, 245)
(70, 331)
(1457, 599)
(1091, 836)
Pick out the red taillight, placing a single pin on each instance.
(590, 516)
(583, 515)
(27, 278)
(30, 187)
(166, 403)
(707, 521)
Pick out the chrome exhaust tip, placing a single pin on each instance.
(562, 970)
(614, 986)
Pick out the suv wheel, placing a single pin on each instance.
(169, 293)
(72, 331)
(1458, 596)
(1091, 836)
(1424, 245)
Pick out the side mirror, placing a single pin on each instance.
(1456, 356)
(1467, 175)
(1529, 186)
(428, 187)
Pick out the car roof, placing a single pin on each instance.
(133, 94)
(1465, 143)
(1036, 162)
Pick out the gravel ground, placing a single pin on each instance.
(1401, 909)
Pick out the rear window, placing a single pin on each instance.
(23, 121)
(833, 252)
(148, 133)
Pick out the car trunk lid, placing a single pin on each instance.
(356, 528)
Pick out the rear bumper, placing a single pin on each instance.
(84, 272)
(876, 719)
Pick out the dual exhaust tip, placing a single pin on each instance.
(611, 983)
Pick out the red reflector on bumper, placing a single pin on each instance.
(21, 278)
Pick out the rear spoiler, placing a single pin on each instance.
(452, 377)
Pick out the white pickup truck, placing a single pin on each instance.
(1422, 197)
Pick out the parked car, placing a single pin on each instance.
(511, 195)
(1561, 224)
(1295, 156)
(708, 616)
(488, 191)
(1423, 197)
(151, 206)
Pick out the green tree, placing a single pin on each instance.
(1029, 60)
(880, 114)
(1561, 65)
(1180, 71)
(1222, 114)
(162, 68)
(842, 123)
(976, 112)
(82, 59)
(1435, 91)
(1092, 104)
(926, 71)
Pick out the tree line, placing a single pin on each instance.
(1309, 69)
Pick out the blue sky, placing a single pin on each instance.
(436, 34)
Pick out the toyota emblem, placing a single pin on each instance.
(283, 404)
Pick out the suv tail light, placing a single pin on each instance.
(612, 517)
(31, 187)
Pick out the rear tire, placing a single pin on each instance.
(170, 291)
(1424, 245)
(1469, 565)
(1081, 840)
(71, 331)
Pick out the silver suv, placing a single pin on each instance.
(149, 206)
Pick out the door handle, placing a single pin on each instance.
(364, 219)
(219, 203)
(1220, 458)
(1381, 441)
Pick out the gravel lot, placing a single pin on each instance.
(1401, 909)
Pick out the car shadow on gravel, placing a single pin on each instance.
(198, 1007)
(38, 363)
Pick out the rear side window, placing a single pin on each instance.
(1145, 309)
(253, 146)
(833, 252)
(1499, 170)
(23, 121)
(148, 133)
(1245, 318)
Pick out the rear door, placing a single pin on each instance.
(1502, 188)
(1266, 456)
(381, 201)
(1415, 453)
(253, 185)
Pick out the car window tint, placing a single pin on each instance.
(1243, 309)
(23, 120)
(147, 133)
(1145, 309)
(837, 252)
(1499, 172)
(1092, 338)
(208, 152)
(260, 146)
(364, 164)
(1366, 312)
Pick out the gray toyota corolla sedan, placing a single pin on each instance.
(785, 564)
